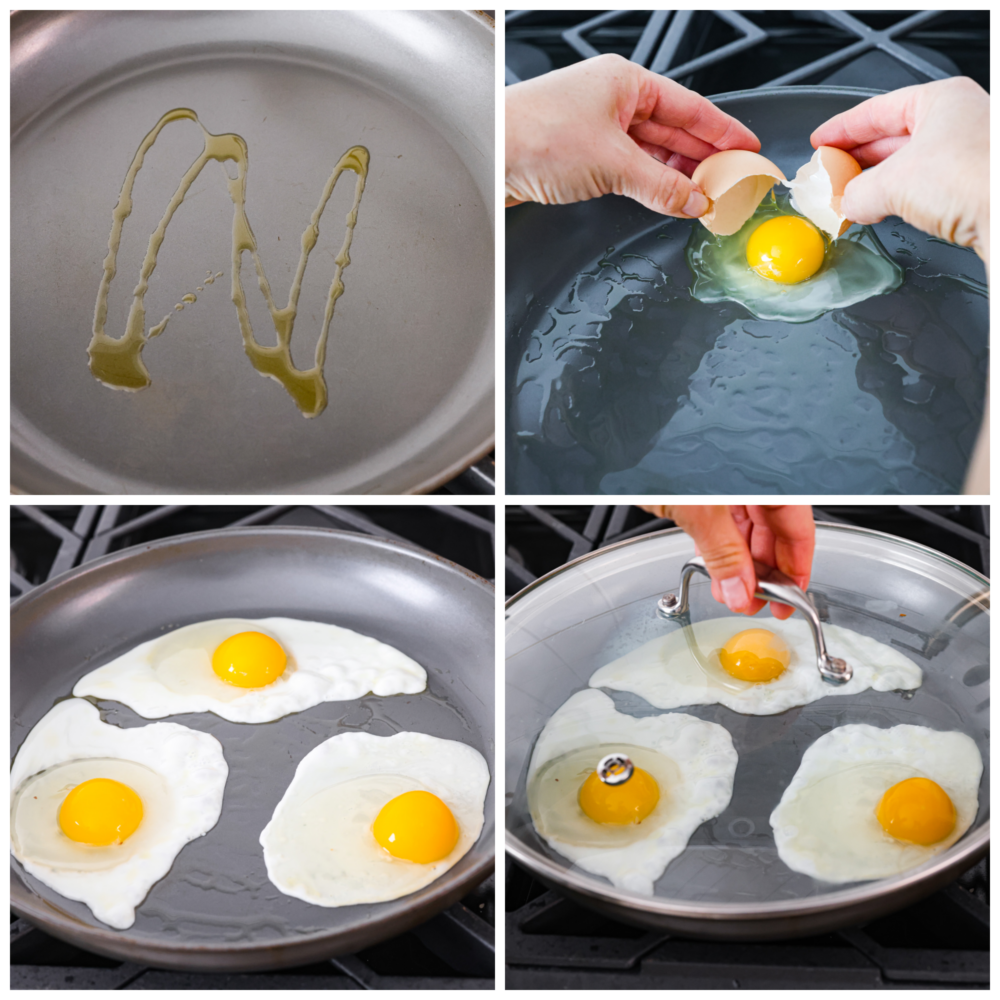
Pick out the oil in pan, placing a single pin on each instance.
(117, 363)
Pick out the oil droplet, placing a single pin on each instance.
(155, 331)
(117, 363)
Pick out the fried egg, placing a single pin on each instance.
(370, 818)
(99, 813)
(628, 833)
(758, 671)
(779, 266)
(867, 803)
(252, 670)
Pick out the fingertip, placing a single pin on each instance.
(696, 204)
(735, 594)
(745, 139)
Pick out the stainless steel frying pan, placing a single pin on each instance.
(216, 909)
(409, 362)
(620, 383)
(729, 881)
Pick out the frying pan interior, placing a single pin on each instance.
(216, 909)
(619, 383)
(410, 357)
(917, 601)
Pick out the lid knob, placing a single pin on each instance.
(615, 769)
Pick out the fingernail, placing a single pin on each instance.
(696, 205)
(734, 593)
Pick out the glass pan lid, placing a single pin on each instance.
(930, 607)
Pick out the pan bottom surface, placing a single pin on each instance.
(627, 385)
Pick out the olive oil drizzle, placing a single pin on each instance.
(118, 363)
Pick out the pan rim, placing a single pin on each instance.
(799, 90)
(264, 529)
(956, 859)
(232, 957)
(848, 529)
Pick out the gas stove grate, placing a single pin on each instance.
(48, 540)
(552, 943)
(455, 949)
(902, 47)
(941, 942)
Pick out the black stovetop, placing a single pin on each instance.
(454, 950)
(713, 52)
(941, 942)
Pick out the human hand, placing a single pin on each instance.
(730, 538)
(929, 150)
(609, 126)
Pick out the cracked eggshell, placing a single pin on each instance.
(818, 187)
(735, 182)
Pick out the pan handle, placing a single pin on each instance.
(772, 585)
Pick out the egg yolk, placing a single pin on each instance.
(630, 802)
(100, 812)
(416, 826)
(786, 249)
(249, 660)
(755, 655)
(917, 810)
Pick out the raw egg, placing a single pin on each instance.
(782, 257)
(789, 279)
(786, 249)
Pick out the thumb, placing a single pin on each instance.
(725, 553)
(658, 187)
(866, 199)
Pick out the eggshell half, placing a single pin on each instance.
(818, 187)
(735, 182)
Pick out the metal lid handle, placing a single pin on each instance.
(772, 585)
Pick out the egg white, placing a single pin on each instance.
(181, 794)
(696, 785)
(825, 824)
(319, 846)
(173, 674)
(682, 668)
